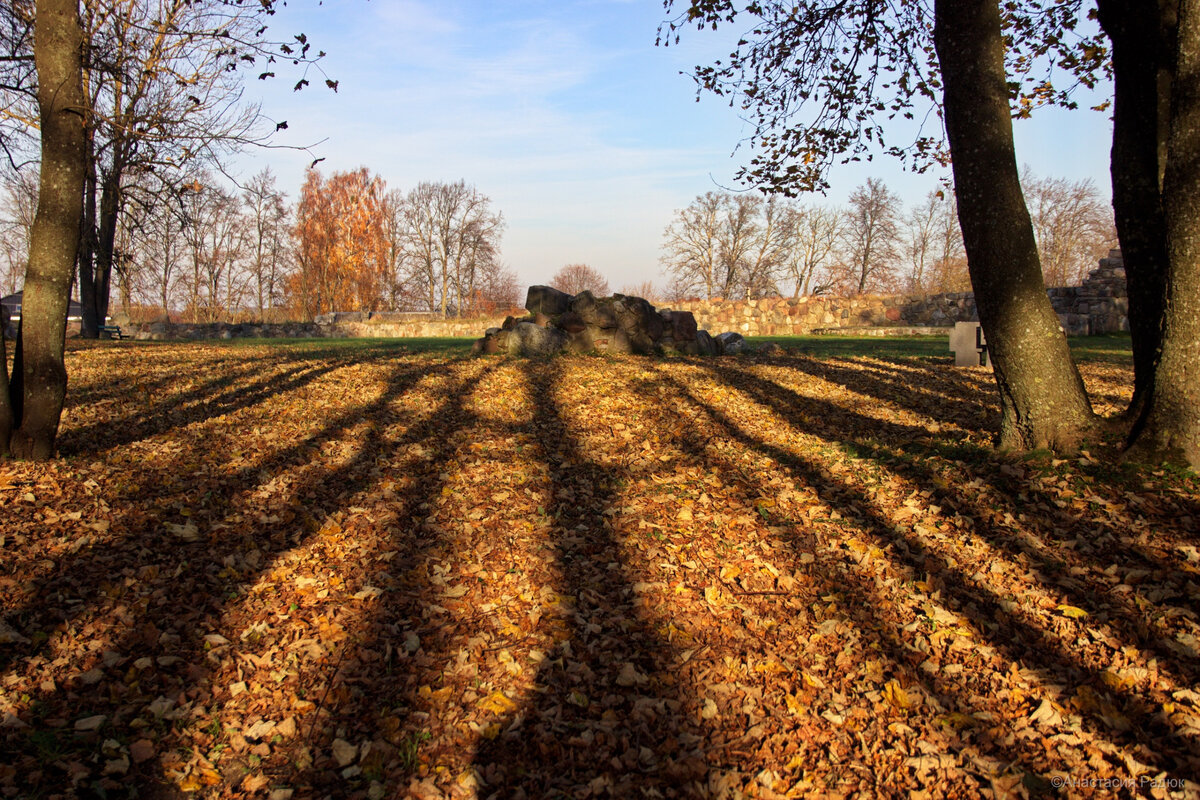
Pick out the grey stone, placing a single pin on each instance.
(681, 325)
(571, 322)
(732, 342)
(594, 313)
(969, 345)
(608, 340)
(547, 300)
(703, 345)
(534, 340)
(639, 321)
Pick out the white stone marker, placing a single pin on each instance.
(969, 345)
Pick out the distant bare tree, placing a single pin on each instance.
(215, 235)
(677, 291)
(18, 204)
(163, 250)
(266, 211)
(738, 234)
(870, 237)
(948, 271)
(1073, 225)
(930, 241)
(770, 239)
(813, 234)
(729, 244)
(692, 246)
(451, 244)
(497, 289)
(395, 233)
(645, 290)
(575, 278)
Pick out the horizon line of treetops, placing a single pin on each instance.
(351, 244)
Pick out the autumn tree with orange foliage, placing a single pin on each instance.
(341, 247)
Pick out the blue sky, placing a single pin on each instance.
(584, 134)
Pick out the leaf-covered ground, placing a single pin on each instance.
(282, 572)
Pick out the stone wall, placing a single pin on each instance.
(339, 325)
(1098, 306)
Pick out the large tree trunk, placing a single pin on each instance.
(58, 57)
(1171, 423)
(1143, 58)
(1042, 397)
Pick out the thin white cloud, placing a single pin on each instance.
(585, 135)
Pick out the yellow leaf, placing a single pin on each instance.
(1074, 612)
(769, 667)
(190, 784)
(498, 703)
(895, 694)
(1046, 713)
(957, 719)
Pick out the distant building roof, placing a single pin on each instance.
(13, 303)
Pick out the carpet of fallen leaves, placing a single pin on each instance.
(272, 572)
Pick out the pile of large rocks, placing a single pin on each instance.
(583, 323)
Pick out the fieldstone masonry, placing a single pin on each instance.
(1099, 305)
(336, 325)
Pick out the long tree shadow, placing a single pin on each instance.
(1013, 495)
(167, 635)
(225, 392)
(951, 398)
(849, 604)
(605, 713)
(1023, 639)
(369, 681)
(1021, 493)
(81, 578)
(390, 680)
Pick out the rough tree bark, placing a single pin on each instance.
(1171, 423)
(1143, 45)
(42, 382)
(1042, 397)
